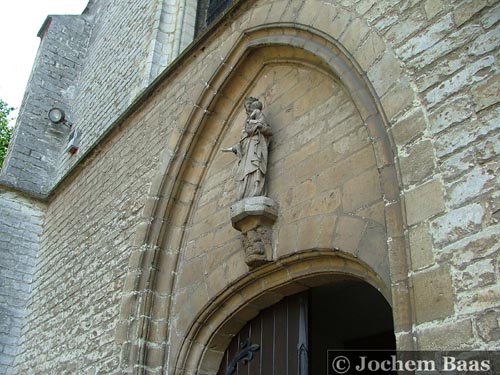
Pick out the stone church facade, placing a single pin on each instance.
(119, 255)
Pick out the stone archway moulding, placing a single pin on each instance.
(240, 302)
(160, 240)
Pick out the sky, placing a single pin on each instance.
(20, 21)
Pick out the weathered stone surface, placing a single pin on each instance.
(434, 7)
(453, 111)
(420, 246)
(467, 10)
(488, 326)
(263, 209)
(383, 73)
(477, 181)
(21, 222)
(476, 275)
(456, 223)
(433, 294)
(432, 194)
(478, 300)
(370, 50)
(427, 38)
(486, 93)
(361, 191)
(348, 233)
(408, 128)
(433, 79)
(418, 163)
(446, 336)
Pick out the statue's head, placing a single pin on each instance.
(252, 103)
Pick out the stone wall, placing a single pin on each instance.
(131, 43)
(449, 166)
(20, 228)
(113, 50)
(36, 145)
(125, 223)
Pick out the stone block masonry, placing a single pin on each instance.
(20, 228)
(36, 145)
(432, 68)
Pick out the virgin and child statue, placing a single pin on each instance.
(252, 152)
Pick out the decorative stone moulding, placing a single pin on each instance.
(254, 217)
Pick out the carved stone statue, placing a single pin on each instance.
(252, 152)
(253, 214)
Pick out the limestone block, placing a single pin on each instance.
(326, 16)
(418, 163)
(348, 233)
(372, 250)
(384, 73)
(478, 300)
(476, 275)
(354, 33)
(491, 17)
(361, 191)
(485, 42)
(451, 112)
(363, 6)
(420, 246)
(431, 193)
(448, 336)
(427, 38)
(402, 315)
(488, 326)
(397, 259)
(370, 50)
(400, 31)
(309, 230)
(434, 297)
(407, 128)
(477, 181)
(467, 10)
(451, 42)
(443, 67)
(287, 239)
(339, 24)
(486, 93)
(457, 223)
(434, 7)
(471, 74)
(467, 133)
(277, 9)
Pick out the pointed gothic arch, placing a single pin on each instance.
(172, 204)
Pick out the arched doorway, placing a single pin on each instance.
(293, 336)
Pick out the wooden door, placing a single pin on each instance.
(274, 343)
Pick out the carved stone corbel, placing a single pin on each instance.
(254, 218)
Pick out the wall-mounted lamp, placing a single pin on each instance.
(57, 116)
